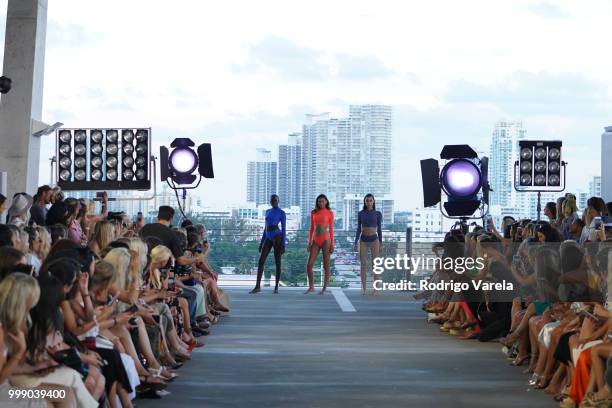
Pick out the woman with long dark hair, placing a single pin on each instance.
(320, 237)
(368, 237)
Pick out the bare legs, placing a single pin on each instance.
(314, 252)
(374, 247)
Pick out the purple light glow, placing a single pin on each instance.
(183, 160)
(461, 178)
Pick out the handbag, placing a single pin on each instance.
(70, 358)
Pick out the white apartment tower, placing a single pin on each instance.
(346, 156)
(261, 177)
(503, 154)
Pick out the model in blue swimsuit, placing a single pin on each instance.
(368, 236)
(273, 237)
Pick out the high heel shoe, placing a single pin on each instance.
(519, 361)
(535, 378)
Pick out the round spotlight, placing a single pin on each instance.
(183, 160)
(540, 153)
(64, 175)
(128, 161)
(540, 166)
(540, 180)
(79, 175)
(141, 135)
(128, 136)
(64, 149)
(96, 162)
(141, 161)
(128, 149)
(112, 149)
(111, 162)
(128, 174)
(554, 167)
(460, 178)
(96, 136)
(525, 153)
(96, 149)
(80, 136)
(112, 136)
(80, 163)
(65, 162)
(141, 148)
(525, 180)
(526, 167)
(80, 149)
(554, 180)
(554, 153)
(65, 136)
(96, 175)
(111, 175)
(141, 174)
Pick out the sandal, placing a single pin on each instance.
(519, 361)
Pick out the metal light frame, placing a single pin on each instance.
(99, 185)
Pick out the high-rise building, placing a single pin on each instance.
(595, 187)
(346, 156)
(503, 154)
(289, 171)
(261, 177)
(606, 164)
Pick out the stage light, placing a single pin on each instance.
(99, 159)
(538, 168)
(180, 164)
(183, 161)
(462, 178)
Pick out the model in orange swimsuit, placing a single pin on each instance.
(321, 236)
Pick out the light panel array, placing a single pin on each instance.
(539, 164)
(103, 159)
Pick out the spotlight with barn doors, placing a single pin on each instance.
(463, 179)
(539, 168)
(103, 159)
(178, 165)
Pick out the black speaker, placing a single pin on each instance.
(164, 168)
(430, 172)
(205, 157)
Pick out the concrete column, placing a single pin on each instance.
(24, 61)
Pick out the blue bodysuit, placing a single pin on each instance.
(369, 218)
(274, 216)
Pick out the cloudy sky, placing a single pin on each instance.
(242, 74)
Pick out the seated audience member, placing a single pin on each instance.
(19, 211)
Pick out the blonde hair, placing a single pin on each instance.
(158, 254)
(18, 294)
(45, 243)
(104, 234)
(140, 247)
(120, 259)
(103, 275)
(25, 241)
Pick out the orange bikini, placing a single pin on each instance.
(321, 217)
